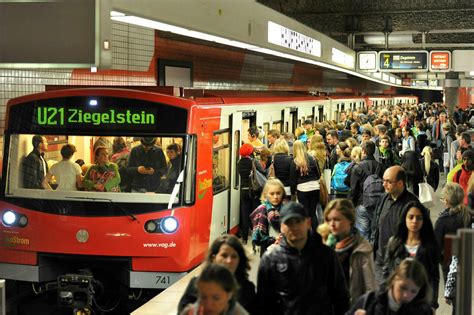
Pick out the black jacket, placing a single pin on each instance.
(296, 177)
(310, 281)
(282, 165)
(376, 303)
(387, 216)
(358, 177)
(427, 255)
(245, 166)
(446, 224)
(33, 170)
(154, 158)
(245, 296)
(432, 177)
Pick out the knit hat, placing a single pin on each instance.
(246, 149)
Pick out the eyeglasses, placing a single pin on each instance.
(391, 182)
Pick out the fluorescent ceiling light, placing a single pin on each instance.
(393, 39)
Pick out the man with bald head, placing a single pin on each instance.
(388, 212)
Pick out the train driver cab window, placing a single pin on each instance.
(220, 161)
(78, 167)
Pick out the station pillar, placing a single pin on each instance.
(451, 86)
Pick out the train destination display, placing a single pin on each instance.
(403, 61)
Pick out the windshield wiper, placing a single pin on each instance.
(125, 211)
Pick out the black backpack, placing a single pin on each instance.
(372, 188)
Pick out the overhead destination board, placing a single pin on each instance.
(403, 61)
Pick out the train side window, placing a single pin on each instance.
(266, 128)
(277, 125)
(220, 161)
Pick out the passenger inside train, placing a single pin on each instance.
(110, 165)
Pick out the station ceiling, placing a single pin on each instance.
(361, 24)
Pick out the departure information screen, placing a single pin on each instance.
(403, 61)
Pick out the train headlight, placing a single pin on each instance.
(151, 226)
(9, 218)
(166, 225)
(169, 225)
(22, 221)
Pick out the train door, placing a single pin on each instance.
(237, 132)
(320, 116)
(293, 120)
(221, 182)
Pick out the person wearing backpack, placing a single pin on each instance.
(339, 188)
(366, 188)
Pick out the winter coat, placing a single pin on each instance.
(426, 254)
(282, 165)
(376, 303)
(310, 281)
(432, 177)
(245, 295)
(296, 177)
(245, 166)
(386, 218)
(361, 272)
(358, 177)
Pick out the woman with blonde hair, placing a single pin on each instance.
(266, 217)
(300, 134)
(317, 150)
(354, 252)
(429, 167)
(305, 175)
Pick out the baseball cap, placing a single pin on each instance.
(292, 210)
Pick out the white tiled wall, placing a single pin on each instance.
(132, 52)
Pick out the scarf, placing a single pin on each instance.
(262, 217)
(342, 247)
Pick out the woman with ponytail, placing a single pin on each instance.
(429, 167)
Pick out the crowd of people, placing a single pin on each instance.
(117, 167)
(340, 222)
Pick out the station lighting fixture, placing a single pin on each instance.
(135, 20)
(11, 218)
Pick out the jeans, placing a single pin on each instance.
(364, 219)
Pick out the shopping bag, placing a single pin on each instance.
(427, 195)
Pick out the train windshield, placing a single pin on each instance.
(75, 167)
(105, 155)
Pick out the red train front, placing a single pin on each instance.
(142, 240)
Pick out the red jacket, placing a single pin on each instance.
(462, 178)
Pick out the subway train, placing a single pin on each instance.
(68, 240)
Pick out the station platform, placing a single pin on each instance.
(166, 303)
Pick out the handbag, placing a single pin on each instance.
(256, 179)
(323, 192)
(323, 186)
(427, 194)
